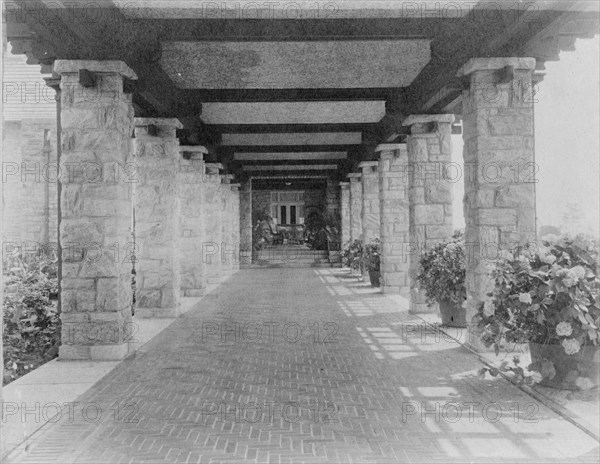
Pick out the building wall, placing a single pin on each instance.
(30, 182)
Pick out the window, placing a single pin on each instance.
(287, 207)
(292, 214)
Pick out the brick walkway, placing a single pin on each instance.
(304, 365)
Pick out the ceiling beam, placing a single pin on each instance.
(290, 95)
(291, 162)
(291, 29)
(286, 148)
(283, 128)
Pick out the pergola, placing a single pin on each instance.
(267, 94)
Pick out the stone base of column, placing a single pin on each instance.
(94, 352)
(418, 305)
(149, 313)
(192, 292)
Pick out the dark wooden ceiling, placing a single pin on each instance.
(45, 34)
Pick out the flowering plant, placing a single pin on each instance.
(547, 296)
(352, 254)
(371, 255)
(442, 272)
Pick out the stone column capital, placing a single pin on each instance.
(235, 187)
(390, 150)
(109, 67)
(227, 178)
(150, 127)
(194, 152)
(354, 176)
(389, 147)
(345, 185)
(213, 168)
(428, 123)
(367, 165)
(162, 122)
(494, 64)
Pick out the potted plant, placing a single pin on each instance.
(372, 255)
(316, 235)
(442, 277)
(352, 254)
(548, 298)
(262, 233)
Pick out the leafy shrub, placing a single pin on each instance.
(31, 325)
(352, 254)
(443, 270)
(323, 231)
(372, 255)
(547, 296)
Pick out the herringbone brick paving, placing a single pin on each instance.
(304, 366)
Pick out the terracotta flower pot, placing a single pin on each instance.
(568, 368)
(374, 277)
(453, 315)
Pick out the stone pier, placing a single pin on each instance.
(370, 200)
(332, 199)
(345, 211)
(356, 231)
(429, 179)
(191, 180)
(156, 207)
(95, 230)
(213, 209)
(394, 219)
(235, 227)
(498, 133)
(228, 244)
(245, 205)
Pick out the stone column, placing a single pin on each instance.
(370, 200)
(245, 198)
(212, 206)
(355, 206)
(394, 220)
(498, 134)
(331, 197)
(345, 211)
(156, 206)
(235, 228)
(191, 180)
(228, 244)
(430, 191)
(96, 210)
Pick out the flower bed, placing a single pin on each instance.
(31, 324)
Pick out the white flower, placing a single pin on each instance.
(549, 259)
(584, 383)
(571, 346)
(14, 366)
(578, 271)
(525, 298)
(536, 377)
(564, 329)
(570, 278)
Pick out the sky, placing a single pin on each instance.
(567, 139)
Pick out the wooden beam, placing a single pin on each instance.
(293, 128)
(286, 95)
